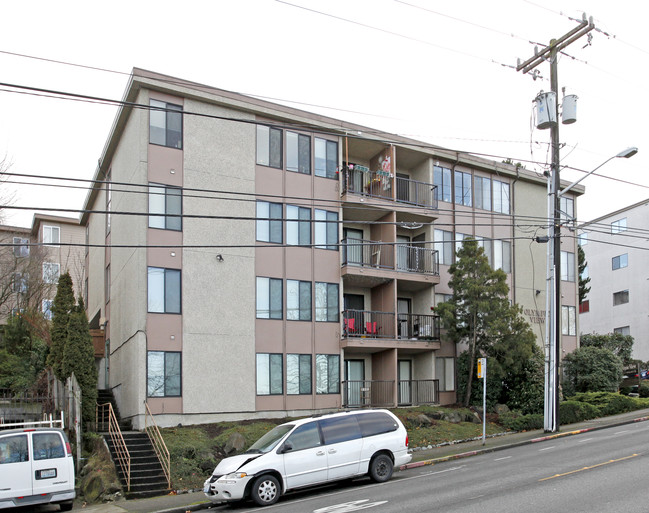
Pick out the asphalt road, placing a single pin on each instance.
(599, 471)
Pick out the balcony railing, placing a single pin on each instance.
(379, 184)
(409, 257)
(380, 393)
(369, 324)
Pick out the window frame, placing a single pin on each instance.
(568, 266)
(296, 144)
(442, 181)
(267, 142)
(462, 191)
(618, 226)
(620, 259)
(330, 165)
(21, 247)
(329, 309)
(621, 297)
(303, 366)
(482, 192)
(166, 290)
(303, 311)
(165, 377)
(327, 363)
(266, 228)
(325, 229)
(164, 218)
(300, 224)
(272, 287)
(443, 242)
(569, 320)
(46, 308)
(272, 379)
(48, 274)
(501, 198)
(50, 230)
(170, 111)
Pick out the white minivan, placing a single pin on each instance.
(312, 451)
(36, 467)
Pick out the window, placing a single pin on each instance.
(298, 225)
(621, 297)
(624, 330)
(442, 181)
(326, 302)
(298, 153)
(376, 423)
(21, 247)
(567, 266)
(269, 146)
(326, 229)
(585, 273)
(305, 437)
(618, 226)
(20, 282)
(568, 320)
(445, 373)
(298, 374)
(326, 158)
(51, 235)
(500, 197)
(47, 446)
(269, 374)
(163, 374)
(46, 307)
(51, 272)
(164, 290)
(327, 374)
(166, 203)
(482, 192)
(109, 196)
(582, 238)
(566, 208)
(13, 449)
(444, 246)
(502, 258)
(269, 222)
(340, 429)
(459, 242)
(166, 124)
(269, 298)
(462, 188)
(298, 300)
(620, 261)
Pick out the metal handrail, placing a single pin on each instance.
(158, 443)
(115, 433)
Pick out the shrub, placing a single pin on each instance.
(643, 390)
(619, 404)
(514, 421)
(592, 369)
(576, 411)
(625, 390)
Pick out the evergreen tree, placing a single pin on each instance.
(22, 356)
(62, 308)
(584, 289)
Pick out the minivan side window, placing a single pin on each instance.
(340, 429)
(305, 437)
(13, 449)
(48, 446)
(376, 423)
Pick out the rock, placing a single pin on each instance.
(236, 442)
(424, 420)
(501, 408)
(453, 417)
(475, 418)
(436, 415)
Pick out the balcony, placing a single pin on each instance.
(388, 325)
(409, 257)
(381, 393)
(379, 184)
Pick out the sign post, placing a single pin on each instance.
(482, 373)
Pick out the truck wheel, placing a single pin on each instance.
(381, 468)
(66, 506)
(265, 490)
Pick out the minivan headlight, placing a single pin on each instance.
(235, 475)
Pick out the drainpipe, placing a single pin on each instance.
(513, 196)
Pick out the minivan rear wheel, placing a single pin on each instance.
(381, 468)
(265, 490)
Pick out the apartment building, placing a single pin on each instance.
(615, 246)
(257, 260)
(34, 258)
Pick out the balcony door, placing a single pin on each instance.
(355, 378)
(405, 381)
(403, 252)
(418, 254)
(403, 194)
(353, 248)
(403, 317)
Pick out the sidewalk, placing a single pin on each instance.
(197, 501)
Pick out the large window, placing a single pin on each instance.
(51, 235)
(568, 320)
(164, 290)
(46, 307)
(269, 222)
(269, 146)
(326, 229)
(567, 266)
(47, 446)
(298, 225)
(269, 374)
(19, 282)
(623, 330)
(326, 158)
(618, 226)
(165, 203)
(500, 197)
(442, 181)
(298, 374)
(326, 302)
(269, 298)
(566, 209)
(444, 246)
(163, 374)
(51, 272)
(502, 255)
(463, 194)
(620, 261)
(621, 297)
(582, 238)
(298, 153)
(445, 373)
(13, 449)
(21, 247)
(482, 192)
(327, 374)
(298, 300)
(166, 124)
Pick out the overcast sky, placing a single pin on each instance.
(439, 71)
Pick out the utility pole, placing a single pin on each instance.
(553, 321)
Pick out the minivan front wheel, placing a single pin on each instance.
(265, 490)
(381, 468)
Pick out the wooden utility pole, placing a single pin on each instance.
(553, 321)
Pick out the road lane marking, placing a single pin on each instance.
(620, 432)
(547, 448)
(589, 468)
(584, 440)
(349, 506)
(500, 459)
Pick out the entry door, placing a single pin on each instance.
(403, 248)
(16, 467)
(405, 383)
(354, 305)
(355, 378)
(402, 188)
(403, 317)
(353, 248)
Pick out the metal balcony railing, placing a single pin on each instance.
(409, 257)
(418, 326)
(415, 192)
(369, 324)
(418, 391)
(380, 393)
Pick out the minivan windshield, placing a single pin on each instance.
(267, 442)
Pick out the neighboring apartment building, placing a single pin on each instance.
(34, 259)
(615, 246)
(261, 260)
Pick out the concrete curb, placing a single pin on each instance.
(486, 450)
